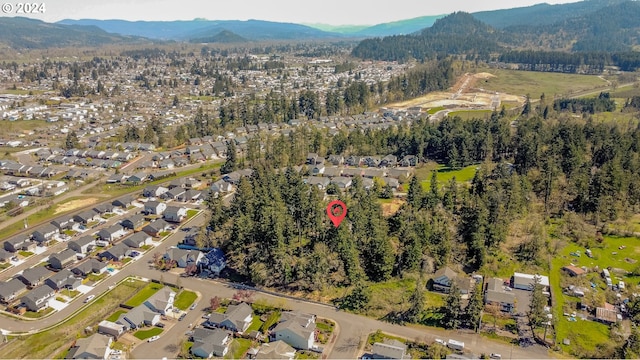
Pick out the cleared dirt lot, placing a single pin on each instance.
(463, 95)
(75, 204)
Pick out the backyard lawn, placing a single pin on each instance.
(114, 317)
(238, 348)
(142, 295)
(145, 334)
(255, 324)
(445, 174)
(185, 299)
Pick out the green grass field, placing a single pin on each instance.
(114, 317)
(445, 174)
(238, 348)
(48, 343)
(185, 299)
(142, 295)
(434, 110)
(471, 114)
(145, 334)
(536, 83)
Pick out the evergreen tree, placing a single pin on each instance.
(231, 164)
(71, 141)
(415, 193)
(417, 299)
(473, 310)
(536, 314)
(452, 311)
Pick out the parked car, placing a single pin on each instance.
(89, 298)
(441, 342)
(182, 317)
(495, 356)
(160, 325)
(193, 307)
(153, 338)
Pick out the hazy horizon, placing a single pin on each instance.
(330, 12)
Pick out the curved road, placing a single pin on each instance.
(353, 328)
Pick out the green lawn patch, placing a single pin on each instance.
(58, 298)
(39, 314)
(25, 254)
(164, 233)
(95, 277)
(119, 346)
(186, 349)
(256, 324)
(116, 315)
(325, 329)
(238, 348)
(391, 295)
(184, 299)
(142, 295)
(304, 354)
(146, 247)
(4, 265)
(145, 334)
(379, 336)
(191, 213)
(434, 110)
(271, 320)
(62, 354)
(126, 260)
(445, 174)
(471, 114)
(69, 232)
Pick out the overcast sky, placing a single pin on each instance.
(334, 12)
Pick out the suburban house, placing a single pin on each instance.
(154, 191)
(219, 187)
(175, 214)
(210, 343)
(409, 160)
(112, 233)
(86, 217)
(162, 301)
(64, 222)
(82, 245)
(123, 202)
(154, 207)
(342, 182)
(133, 222)
(91, 266)
(140, 315)
(112, 329)
(190, 195)
(388, 161)
(38, 298)
(34, 276)
(138, 178)
(317, 181)
(236, 318)
(116, 253)
(64, 279)
(138, 240)
(45, 233)
(5, 255)
(276, 350)
(214, 261)
(443, 279)
(296, 329)
(526, 281)
(104, 208)
(156, 227)
(60, 260)
(17, 243)
(96, 346)
(9, 290)
(497, 295)
(173, 194)
(182, 257)
(389, 349)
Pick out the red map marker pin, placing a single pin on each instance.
(336, 210)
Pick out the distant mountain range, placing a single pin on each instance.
(577, 26)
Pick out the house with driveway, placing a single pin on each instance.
(62, 259)
(86, 217)
(182, 257)
(276, 350)
(154, 207)
(138, 240)
(34, 276)
(116, 253)
(64, 279)
(82, 245)
(112, 233)
(213, 261)
(162, 301)
(210, 343)
(156, 227)
(236, 318)
(175, 214)
(91, 266)
(10, 290)
(18, 242)
(296, 329)
(46, 233)
(497, 295)
(38, 298)
(96, 346)
(133, 222)
(149, 313)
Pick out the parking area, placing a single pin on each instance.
(523, 298)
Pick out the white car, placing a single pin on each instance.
(89, 298)
(441, 342)
(495, 356)
(153, 338)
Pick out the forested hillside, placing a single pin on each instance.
(612, 28)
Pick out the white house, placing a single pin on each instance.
(296, 329)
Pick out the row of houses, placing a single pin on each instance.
(10, 167)
(387, 161)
